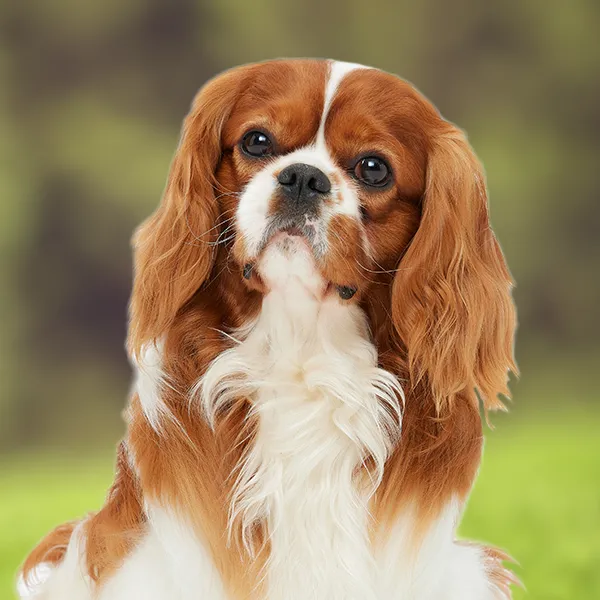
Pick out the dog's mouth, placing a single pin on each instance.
(293, 239)
(309, 229)
(293, 231)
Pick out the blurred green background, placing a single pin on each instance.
(92, 95)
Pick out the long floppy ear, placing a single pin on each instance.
(174, 248)
(451, 297)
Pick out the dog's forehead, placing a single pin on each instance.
(294, 99)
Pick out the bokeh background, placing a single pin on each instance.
(92, 95)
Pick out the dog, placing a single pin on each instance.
(319, 309)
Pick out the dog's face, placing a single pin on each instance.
(319, 161)
(353, 171)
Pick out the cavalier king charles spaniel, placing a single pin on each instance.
(319, 308)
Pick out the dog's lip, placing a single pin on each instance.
(290, 230)
(298, 238)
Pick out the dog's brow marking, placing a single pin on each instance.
(337, 71)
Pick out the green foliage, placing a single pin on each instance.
(537, 496)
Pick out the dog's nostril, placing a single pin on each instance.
(320, 183)
(287, 177)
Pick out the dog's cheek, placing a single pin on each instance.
(390, 234)
(345, 260)
(228, 186)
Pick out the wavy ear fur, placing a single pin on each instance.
(174, 248)
(451, 297)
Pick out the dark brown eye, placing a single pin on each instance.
(257, 144)
(372, 171)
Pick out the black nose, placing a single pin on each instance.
(304, 184)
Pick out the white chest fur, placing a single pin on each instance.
(323, 407)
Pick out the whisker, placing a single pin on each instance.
(212, 228)
(227, 193)
(217, 185)
(220, 223)
(215, 277)
(220, 239)
(376, 271)
(221, 242)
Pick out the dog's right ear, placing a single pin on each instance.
(174, 249)
(452, 303)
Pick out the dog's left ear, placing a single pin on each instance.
(451, 296)
(174, 249)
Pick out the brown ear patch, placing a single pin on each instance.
(451, 298)
(174, 250)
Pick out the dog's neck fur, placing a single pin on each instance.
(324, 410)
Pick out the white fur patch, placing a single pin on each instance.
(192, 570)
(438, 568)
(401, 568)
(337, 71)
(37, 579)
(66, 581)
(324, 407)
(169, 563)
(149, 382)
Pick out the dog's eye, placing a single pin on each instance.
(257, 144)
(372, 171)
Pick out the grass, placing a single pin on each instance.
(538, 496)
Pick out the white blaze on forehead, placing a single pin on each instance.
(348, 202)
(337, 71)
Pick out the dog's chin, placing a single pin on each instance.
(287, 265)
(290, 242)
